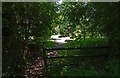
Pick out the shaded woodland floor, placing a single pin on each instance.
(35, 69)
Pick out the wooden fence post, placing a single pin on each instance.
(45, 61)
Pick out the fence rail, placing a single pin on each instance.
(77, 56)
(78, 48)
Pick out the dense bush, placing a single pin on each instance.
(113, 65)
(88, 42)
(111, 68)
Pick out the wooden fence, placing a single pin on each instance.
(105, 55)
